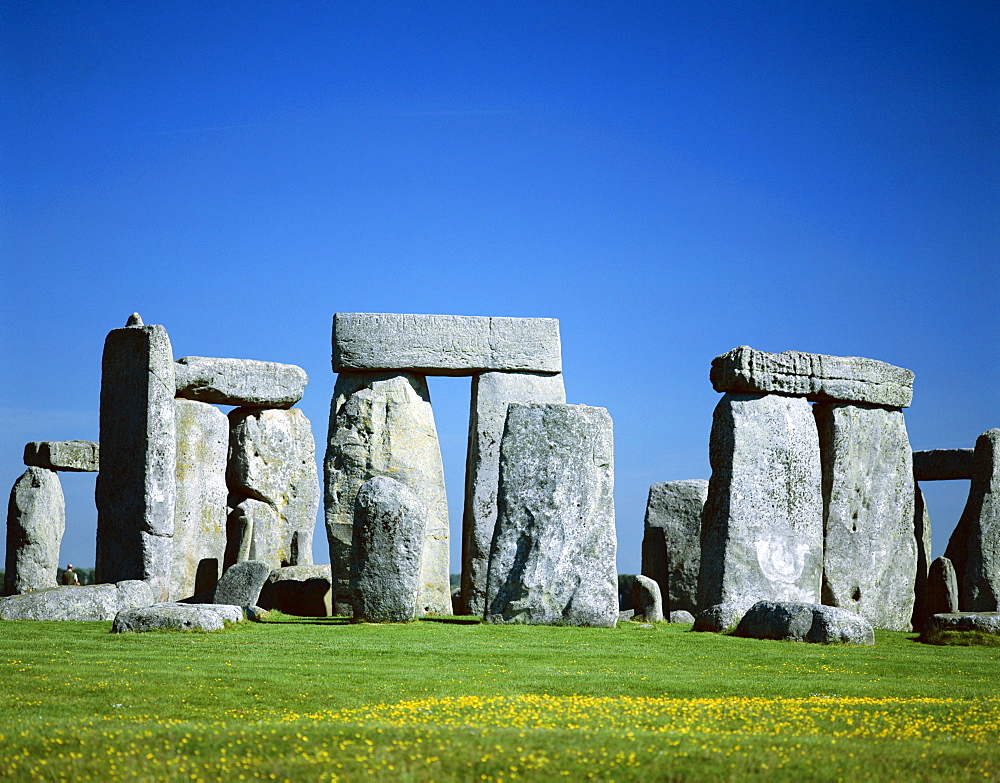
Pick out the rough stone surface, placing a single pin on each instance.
(942, 588)
(762, 530)
(304, 591)
(922, 538)
(79, 456)
(492, 392)
(984, 622)
(177, 617)
(444, 344)
(646, 599)
(870, 552)
(625, 615)
(553, 555)
(389, 526)
(382, 424)
(272, 460)
(36, 520)
(242, 583)
(671, 541)
(240, 382)
(974, 547)
(87, 602)
(814, 376)
(942, 464)
(797, 622)
(135, 486)
(200, 505)
(680, 616)
(724, 617)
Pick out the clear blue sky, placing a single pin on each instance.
(669, 180)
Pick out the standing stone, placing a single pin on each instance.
(36, 520)
(389, 526)
(762, 531)
(870, 553)
(942, 588)
(241, 584)
(492, 392)
(77, 456)
(646, 600)
(200, 506)
(671, 541)
(922, 537)
(553, 555)
(272, 459)
(381, 424)
(135, 487)
(974, 548)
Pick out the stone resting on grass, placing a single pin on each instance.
(804, 623)
(178, 617)
(87, 602)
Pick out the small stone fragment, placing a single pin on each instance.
(942, 464)
(177, 617)
(303, 590)
(680, 616)
(36, 520)
(241, 584)
(80, 456)
(671, 542)
(84, 603)
(942, 588)
(240, 382)
(794, 622)
(646, 599)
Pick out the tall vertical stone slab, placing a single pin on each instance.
(974, 547)
(272, 460)
(922, 538)
(671, 541)
(135, 486)
(492, 392)
(552, 560)
(200, 506)
(762, 530)
(381, 424)
(870, 553)
(36, 520)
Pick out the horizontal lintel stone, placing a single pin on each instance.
(942, 464)
(240, 382)
(816, 377)
(70, 455)
(445, 344)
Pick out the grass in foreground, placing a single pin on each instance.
(320, 699)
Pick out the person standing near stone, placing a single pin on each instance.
(70, 577)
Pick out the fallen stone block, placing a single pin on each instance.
(84, 603)
(646, 599)
(240, 382)
(303, 590)
(816, 377)
(553, 555)
(724, 617)
(942, 464)
(983, 622)
(444, 344)
(242, 583)
(785, 621)
(671, 541)
(80, 456)
(36, 520)
(680, 616)
(625, 615)
(177, 617)
(942, 588)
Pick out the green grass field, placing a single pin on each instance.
(308, 699)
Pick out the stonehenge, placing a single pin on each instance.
(671, 541)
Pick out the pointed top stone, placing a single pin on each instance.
(134, 320)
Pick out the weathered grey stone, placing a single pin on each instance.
(942, 464)
(81, 456)
(553, 555)
(389, 527)
(870, 553)
(983, 622)
(304, 591)
(177, 617)
(814, 376)
(724, 617)
(646, 599)
(680, 616)
(136, 484)
(922, 537)
(671, 541)
(625, 615)
(492, 392)
(200, 505)
(942, 588)
(272, 460)
(241, 584)
(444, 344)
(87, 602)
(240, 382)
(382, 424)
(36, 520)
(762, 530)
(797, 622)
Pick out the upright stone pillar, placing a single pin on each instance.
(671, 541)
(922, 537)
(381, 424)
(870, 553)
(200, 510)
(36, 520)
(135, 486)
(492, 392)
(762, 530)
